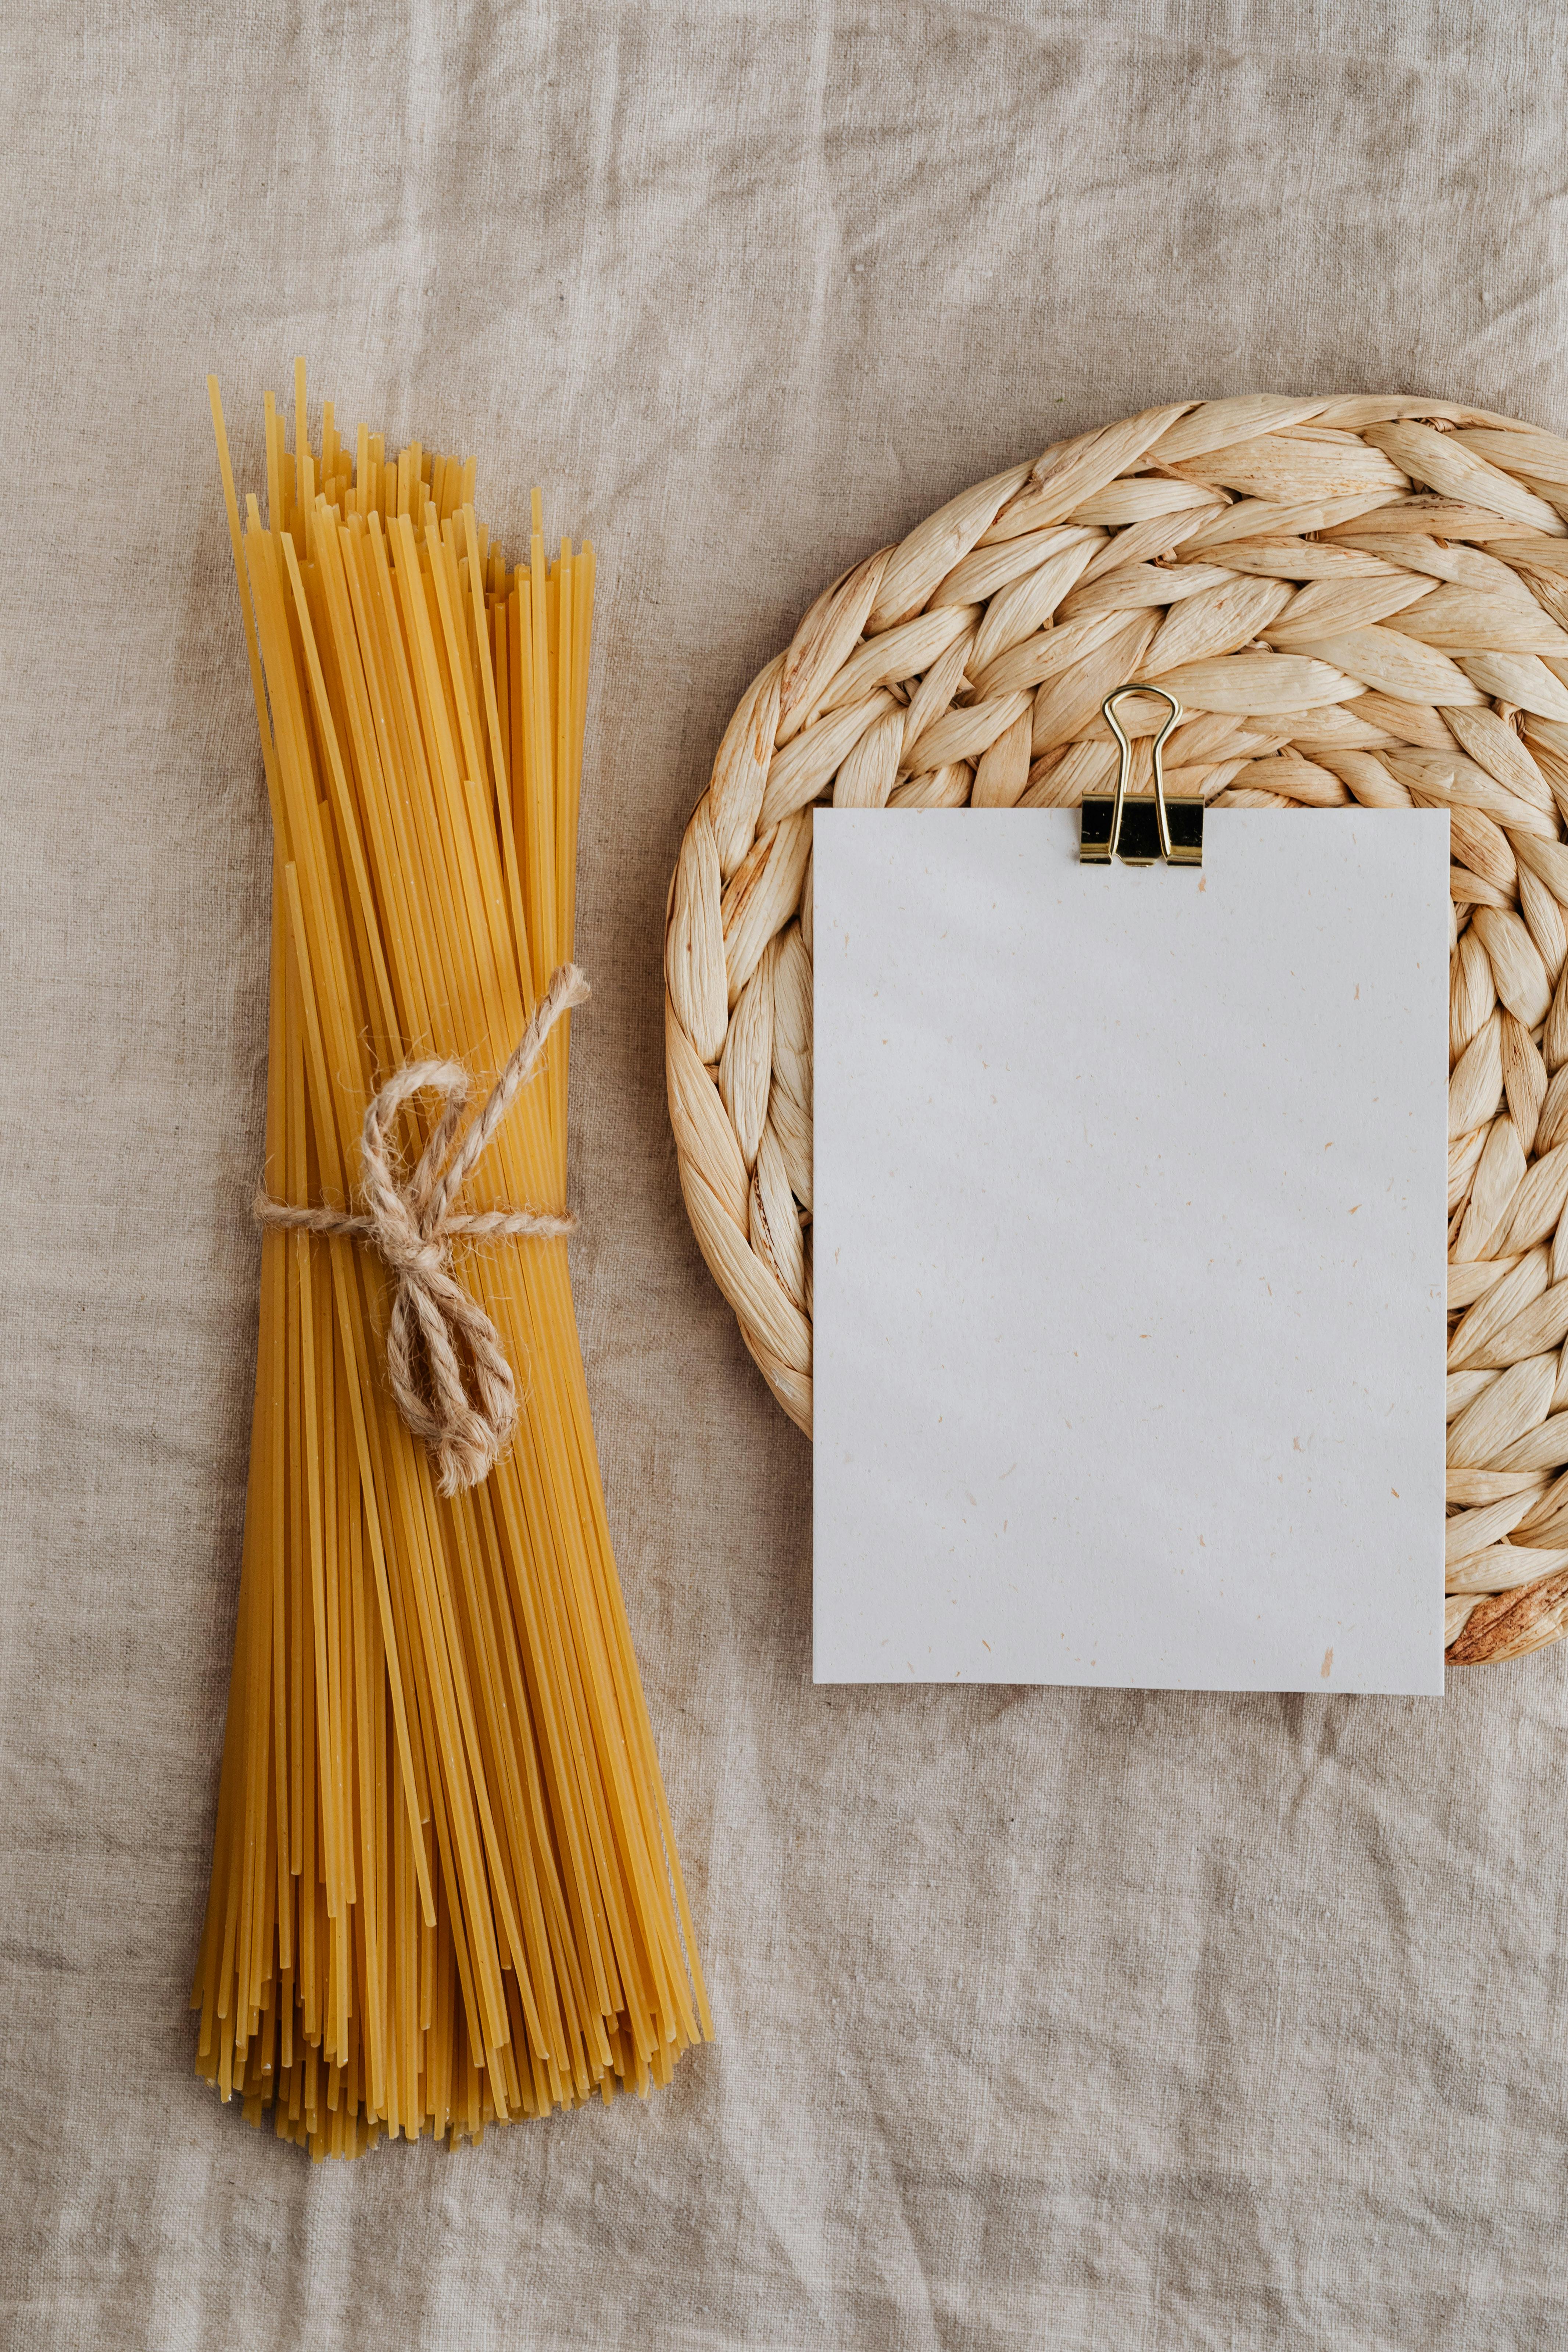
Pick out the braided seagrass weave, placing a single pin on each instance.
(1360, 600)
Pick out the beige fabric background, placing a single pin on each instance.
(1056, 2018)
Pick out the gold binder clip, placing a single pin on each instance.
(1170, 825)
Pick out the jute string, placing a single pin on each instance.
(440, 1343)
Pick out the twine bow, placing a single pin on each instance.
(437, 1324)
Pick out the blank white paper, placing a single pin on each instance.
(1130, 1252)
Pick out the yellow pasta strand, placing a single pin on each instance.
(445, 1887)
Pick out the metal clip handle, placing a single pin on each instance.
(1124, 773)
(1100, 826)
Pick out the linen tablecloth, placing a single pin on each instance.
(1045, 2017)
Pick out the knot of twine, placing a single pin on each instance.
(436, 1324)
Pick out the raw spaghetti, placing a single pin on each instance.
(445, 1887)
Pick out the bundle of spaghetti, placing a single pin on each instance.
(445, 1887)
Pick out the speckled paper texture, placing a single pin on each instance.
(1131, 1237)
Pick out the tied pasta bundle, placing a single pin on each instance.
(445, 1886)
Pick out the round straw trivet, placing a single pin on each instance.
(1357, 600)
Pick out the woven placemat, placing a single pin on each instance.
(1360, 600)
